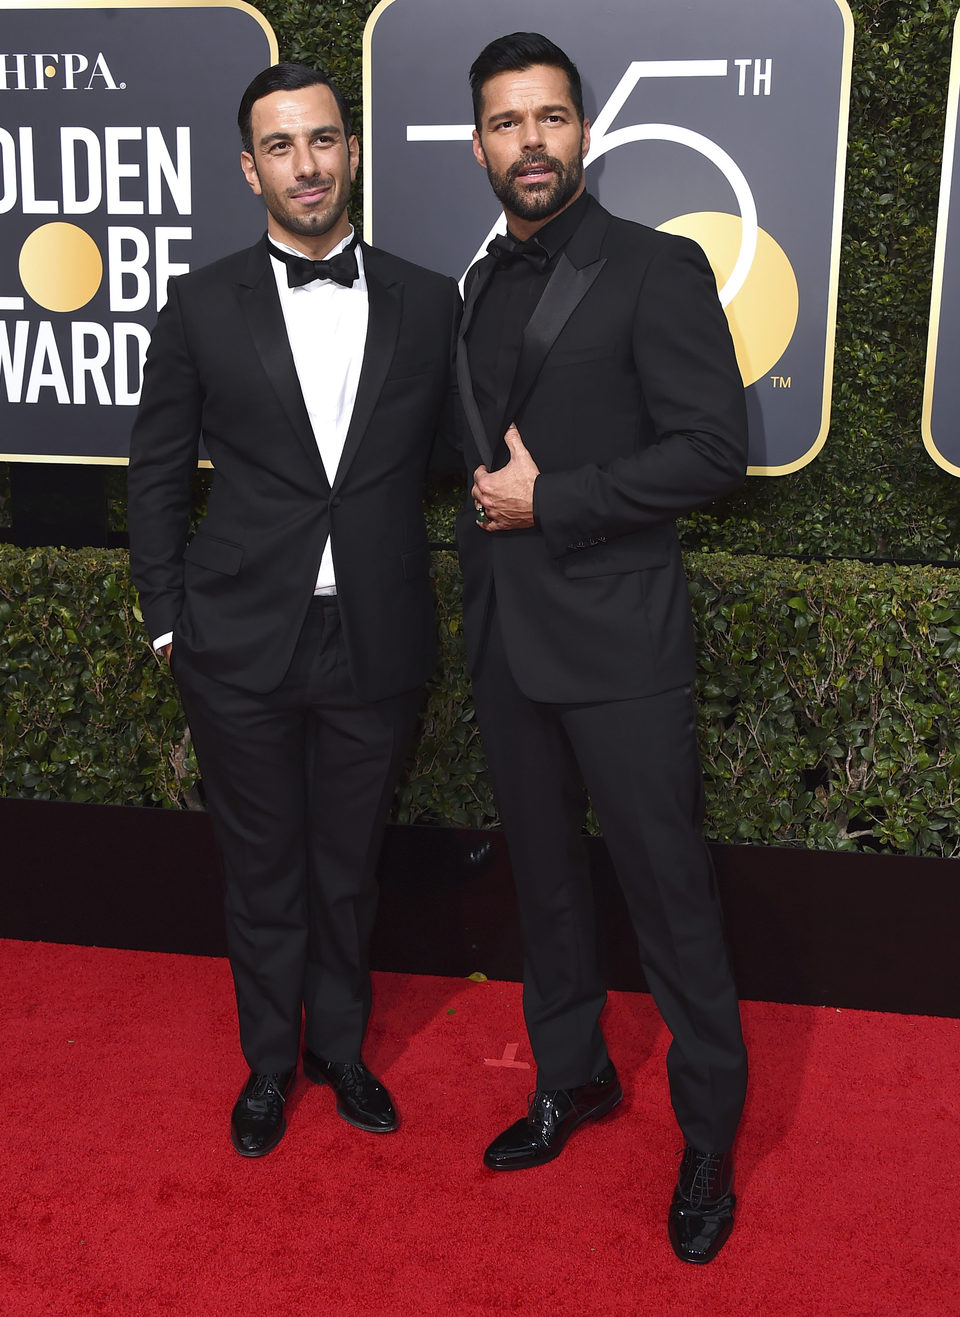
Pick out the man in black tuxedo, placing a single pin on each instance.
(601, 399)
(300, 613)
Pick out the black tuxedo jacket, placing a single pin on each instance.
(220, 364)
(628, 395)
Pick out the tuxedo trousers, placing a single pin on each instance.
(298, 784)
(639, 761)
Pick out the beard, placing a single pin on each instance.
(313, 222)
(537, 201)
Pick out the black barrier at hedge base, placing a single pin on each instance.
(822, 928)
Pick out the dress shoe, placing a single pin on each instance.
(361, 1098)
(257, 1124)
(553, 1116)
(701, 1214)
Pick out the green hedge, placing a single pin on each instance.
(829, 700)
(830, 703)
(88, 712)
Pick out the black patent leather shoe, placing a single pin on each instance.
(553, 1116)
(701, 1214)
(361, 1098)
(257, 1124)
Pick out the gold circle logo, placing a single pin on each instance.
(60, 267)
(763, 315)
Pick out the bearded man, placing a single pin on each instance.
(601, 399)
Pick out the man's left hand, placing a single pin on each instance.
(504, 498)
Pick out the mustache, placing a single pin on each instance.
(549, 161)
(317, 181)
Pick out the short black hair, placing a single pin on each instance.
(513, 54)
(285, 77)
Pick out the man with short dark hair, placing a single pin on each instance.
(601, 400)
(299, 618)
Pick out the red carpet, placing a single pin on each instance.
(124, 1196)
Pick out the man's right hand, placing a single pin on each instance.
(166, 650)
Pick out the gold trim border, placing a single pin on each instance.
(940, 256)
(274, 51)
(242, 5)
(367, 71)
(46, 459)
(833, 286)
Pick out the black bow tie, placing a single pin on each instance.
(507, 252)
(341, 269)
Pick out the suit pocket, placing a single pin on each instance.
(216, 555)
(616, 557)
(416, 564)
(404, 370)
(565, 357)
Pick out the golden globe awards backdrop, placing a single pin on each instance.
(119, 166)
(725, 120)
(940, 418)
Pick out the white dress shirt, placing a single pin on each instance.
(327, 328)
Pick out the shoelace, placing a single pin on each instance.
(264, 1089)
(352, 1075)
(543, 1106)
(706, 1187)
(542, 1095)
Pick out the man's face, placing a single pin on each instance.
(302, 166)
(532, 145)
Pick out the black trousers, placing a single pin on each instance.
(298, 783)
(640, 763)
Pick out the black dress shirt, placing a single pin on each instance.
(501, 315)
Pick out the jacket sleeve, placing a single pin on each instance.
(163, 457)
(691, 444)
(445, 455)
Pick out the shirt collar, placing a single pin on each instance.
(279, 270)
(294, 251)
(556, 233)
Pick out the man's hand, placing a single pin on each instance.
(166, 650)
(504, 498)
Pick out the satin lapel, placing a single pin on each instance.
(385, 301)
(260, 304)
(564, 292)
(464, 380)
